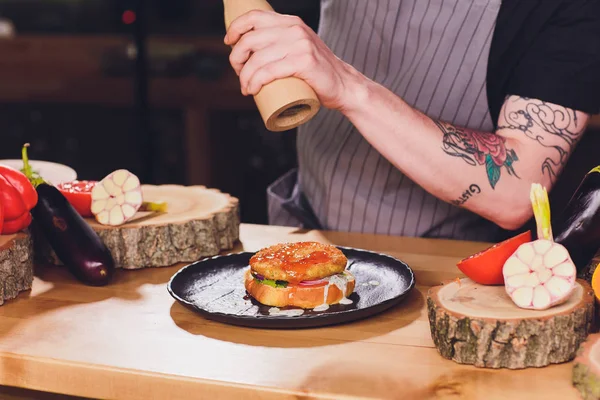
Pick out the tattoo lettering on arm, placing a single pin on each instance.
(467, 194)
(479, 148)
(554, 127)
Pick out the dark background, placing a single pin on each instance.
(70, 86)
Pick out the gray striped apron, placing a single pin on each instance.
(431, 53)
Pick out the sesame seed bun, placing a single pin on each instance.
(296, 262)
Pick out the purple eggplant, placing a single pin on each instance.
(73, 240)
(578, 226)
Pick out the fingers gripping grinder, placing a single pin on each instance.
(284, 103)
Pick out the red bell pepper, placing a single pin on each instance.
(17, 198)
(486, 266)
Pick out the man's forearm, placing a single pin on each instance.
(479, 171)
(488, 173)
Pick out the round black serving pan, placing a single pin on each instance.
(214, 288)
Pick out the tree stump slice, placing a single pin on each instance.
(480, 325)
(16, 265)
(199, 223)
(586, 368)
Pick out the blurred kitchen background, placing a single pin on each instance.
(144, 85)
(72, 86)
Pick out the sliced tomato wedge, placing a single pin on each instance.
(79, 194)
(486, 266)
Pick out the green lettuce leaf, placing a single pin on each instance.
(272, 283)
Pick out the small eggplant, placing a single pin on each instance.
(73, 240)
(578, 227)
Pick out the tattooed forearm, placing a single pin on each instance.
(467, 194)
(479, 148)
(554, 127)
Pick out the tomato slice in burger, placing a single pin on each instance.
(79, 194)
(486, 266)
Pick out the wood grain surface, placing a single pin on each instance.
(131, 340)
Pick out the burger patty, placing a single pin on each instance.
(296, 262)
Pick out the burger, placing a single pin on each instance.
(303, 274)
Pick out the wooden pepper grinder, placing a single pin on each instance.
(284, 103)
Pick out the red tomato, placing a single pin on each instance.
(79, 194)
(486, 266)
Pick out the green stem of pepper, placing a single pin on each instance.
(33, 177)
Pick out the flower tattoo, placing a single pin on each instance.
(478, 148)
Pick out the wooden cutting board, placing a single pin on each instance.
(200, 222)
(16, 265)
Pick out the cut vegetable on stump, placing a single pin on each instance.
(79, 194)
(541, 273)
(116, 198)
(586, 368)
(486, 266)
(480, 325)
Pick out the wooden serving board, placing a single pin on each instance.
(480, 325)
(16, 265)
(199, 222)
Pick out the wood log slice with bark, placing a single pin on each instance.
(480, 325)
(586, 368)
(199, 222)
(16, 265)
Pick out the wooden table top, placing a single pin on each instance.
(131, 340)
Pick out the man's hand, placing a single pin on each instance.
(270, 46)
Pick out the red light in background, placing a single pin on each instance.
(128, 17)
